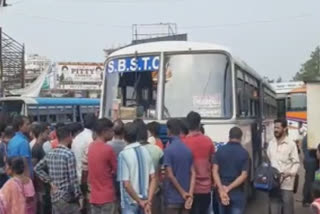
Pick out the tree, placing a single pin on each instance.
(279, 80)
(268, 80)
(311, 68)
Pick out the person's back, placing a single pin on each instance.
(155, 153)
(231, 167)
(82, 141)
(179, 157)
(102, 166)
(137, 160)
(154, 129)
(79, 145)
(6, 137)
(135, 172)
(117, 145)
(232, 157)
(202, 150)
(53, 139)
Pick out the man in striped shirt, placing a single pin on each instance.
(136, 174)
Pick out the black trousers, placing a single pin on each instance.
(215, 201)
(310, 169)
(201, 203)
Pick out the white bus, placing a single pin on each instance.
(163, 80)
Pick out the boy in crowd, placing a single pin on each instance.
(202, 150)
(230, 171)
(6, 137)
(117, 143)
(82, 141)
(102, 167)
(136, 174)
(19, 144)
(41, 134)
(179, 184)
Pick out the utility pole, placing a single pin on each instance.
(3, 3)
(1, 65)
(22, 67)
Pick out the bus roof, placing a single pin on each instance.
(46, 101)
(286, 87)
(183, 46)
(302, 89)
(167, 46)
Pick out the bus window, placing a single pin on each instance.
(198, 82)
(43, 118)
(52, 118)
(68, 112)
(131, 86)
(269, 104)
(298, 102)
(240, 93)
(13, 108)
(281, 106)
(136, 89)
(69, 118)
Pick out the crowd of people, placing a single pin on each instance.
(104, 166)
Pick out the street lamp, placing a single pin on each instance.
(3, 3)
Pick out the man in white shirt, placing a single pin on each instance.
(283, 155)
(82, 141)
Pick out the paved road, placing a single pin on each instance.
(259, 205)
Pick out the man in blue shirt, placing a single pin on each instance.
(180, 181)
(230, 171)
(19, 144)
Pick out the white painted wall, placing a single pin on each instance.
(313, 114)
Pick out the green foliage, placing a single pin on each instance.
(311, 68)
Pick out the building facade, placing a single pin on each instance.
(34, 66)
(75, 79)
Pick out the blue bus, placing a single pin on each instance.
(51, 110)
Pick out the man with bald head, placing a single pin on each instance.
(117, 142)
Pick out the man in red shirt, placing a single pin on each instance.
(202, 150)
(102, 167)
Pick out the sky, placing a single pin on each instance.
(274, 37)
